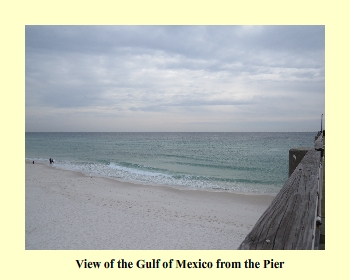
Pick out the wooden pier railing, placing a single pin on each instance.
(291, 221)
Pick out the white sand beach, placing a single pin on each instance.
(68, 210)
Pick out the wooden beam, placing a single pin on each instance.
(290, 221)
(319, 143)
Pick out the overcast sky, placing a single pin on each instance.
(174, 78)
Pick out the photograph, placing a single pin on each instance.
(175, 137)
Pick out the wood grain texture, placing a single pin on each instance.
(289, 222)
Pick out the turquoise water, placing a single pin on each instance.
(242, 162)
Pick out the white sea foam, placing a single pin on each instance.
(114, 170)
(136, 172)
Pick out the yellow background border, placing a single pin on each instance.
(17, 262)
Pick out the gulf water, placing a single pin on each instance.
(240, 162)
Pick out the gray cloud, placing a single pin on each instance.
(131, 73)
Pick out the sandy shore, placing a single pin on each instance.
(68, 210)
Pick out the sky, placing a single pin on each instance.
(174, 78)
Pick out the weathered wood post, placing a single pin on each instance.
(295, 157)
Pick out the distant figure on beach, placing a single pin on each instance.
(33, 161)
(51, 160)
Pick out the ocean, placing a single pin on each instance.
(240, 162)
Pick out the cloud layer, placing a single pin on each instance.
(174, 78)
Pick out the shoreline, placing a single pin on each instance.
(146, 183)
(71, 210)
